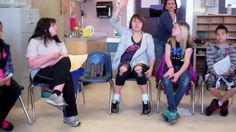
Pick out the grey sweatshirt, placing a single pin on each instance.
(215, 53)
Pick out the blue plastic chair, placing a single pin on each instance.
(98, 69)
(159, 74)
(76, 74)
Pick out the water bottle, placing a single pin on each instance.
(229, 9)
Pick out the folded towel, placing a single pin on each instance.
(77, 61)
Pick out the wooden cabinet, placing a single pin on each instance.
(78, 46)
(206, 25)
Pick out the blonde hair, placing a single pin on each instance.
(183, 38)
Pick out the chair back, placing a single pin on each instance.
(98, 65)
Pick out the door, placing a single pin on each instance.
(54, 9)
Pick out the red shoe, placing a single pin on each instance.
(224, 108)
(212, 107)
(7, 126)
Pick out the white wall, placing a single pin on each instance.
(200, 8)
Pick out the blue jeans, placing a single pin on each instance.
(174, 97)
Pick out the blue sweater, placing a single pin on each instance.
(143, 55)
(164, 29)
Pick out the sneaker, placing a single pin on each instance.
(6, 126)
(165, 114)
(72, 121)
(224, 108)
(115, 107)
(173, 117)
(146, 108)
(212, 107)
(56, 100)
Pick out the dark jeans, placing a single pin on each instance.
(8, 97)
(59, 74)
(159, 52)
(174, 97)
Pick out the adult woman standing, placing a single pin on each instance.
(164, 29)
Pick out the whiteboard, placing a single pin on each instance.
(147, 3)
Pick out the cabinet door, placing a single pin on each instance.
(51, 8)
(28, 20)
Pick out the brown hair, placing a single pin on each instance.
(165, 3)
(139, 17)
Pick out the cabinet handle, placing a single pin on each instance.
(30, 16)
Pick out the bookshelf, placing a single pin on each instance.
(206, 25)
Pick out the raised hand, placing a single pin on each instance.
(123, 3)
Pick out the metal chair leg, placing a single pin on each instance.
(158, 96)
(149, 85)
(110, 95)
(25, 111)
(32, 104)
(202, 97)
(83, 94)
(193, 98)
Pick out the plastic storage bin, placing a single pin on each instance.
(15, 3)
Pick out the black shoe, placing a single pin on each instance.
(115, 107)
(146, 108)
(212, 107)
(224, 108)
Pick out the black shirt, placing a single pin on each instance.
(177, 55)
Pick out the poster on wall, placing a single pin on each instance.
(230, 2)
(148, 3)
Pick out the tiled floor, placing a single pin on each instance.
(94, 115)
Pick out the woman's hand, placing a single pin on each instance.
(55, 55)
(123, 3)
(227, 73)
(148, 73)
(169, 73)
(5, 82)
(175, 77)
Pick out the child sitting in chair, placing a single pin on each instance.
(215, 53)
(177, 57)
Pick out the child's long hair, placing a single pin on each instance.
(42, 30)
(184, 38)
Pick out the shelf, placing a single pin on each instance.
(203, 23)
(206, 25)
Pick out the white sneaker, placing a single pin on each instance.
(72, 121)
(56, 100)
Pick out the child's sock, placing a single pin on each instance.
(145, 98)
(219, 103)
(116, 97)
(57, 92)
